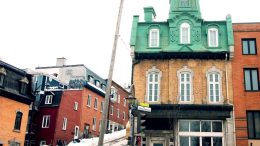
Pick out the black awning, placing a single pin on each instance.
(190, 111)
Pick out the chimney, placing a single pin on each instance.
(149, 14)
(61, 61)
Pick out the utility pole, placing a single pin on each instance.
(109, 81)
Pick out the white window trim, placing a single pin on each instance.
(202, 134)
(185, 69)
(94, 126)
(184, 25)
(89, 100)
(209, 37)
(157, 37)
(76, 105)
(64, 124)
(48, 99)
(123, 115)
(96, 104)
(118, 113)
(76, 132)
(153, 69)
(101, 106)
(213, 70)
(44, 120)
(124, 102)
(43, 142)
(118, 98)
(114, 94)
(112, 110)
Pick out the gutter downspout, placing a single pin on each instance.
(227, 93)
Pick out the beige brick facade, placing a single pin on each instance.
(169, 79)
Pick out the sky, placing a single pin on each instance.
(33, 33)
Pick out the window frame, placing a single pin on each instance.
(76, 132)
(48, 99)
(118, 113)
(101, 106)
(157, 38)
(185, 71)
(76, 106)
(187, 4)
(112, 110)
(251, 79)
(248, 46)
(46, 120)
(89, 100)
(43, 142)
(214, 71)
(18, 121)
(209, 37)
(182, 26)
(153, 71)
(23, 88)
(96, 103)
(254, 123)
(123, 115)
(2, 79)
(94, 126)
(64, 123)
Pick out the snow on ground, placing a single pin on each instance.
(108, 138)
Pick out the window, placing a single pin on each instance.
(23, 88)
(213, 37)
(76, 104)
(118, 98)
(251, 79)
(97, 83)
(13, 143)
(91, 79)
(96, 104)
(103, 86)
(200, 132)
(154, 38)
(185, 76)
(123, 115)
(18, 120)
(46, 121)
(113, 94)
(43, 142)
(185, 33)
(76, 132)
(184, 3)
(112, 110)
(48, 99)
(89, 101)
(118, 113)
(153, 85)
(102, 106)
(64, 124)
(2, 76)
(249, 46)
(214, 85)
(94, 123)
(124, 102)
(253, 120)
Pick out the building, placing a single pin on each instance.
(246, 83)
(15, 98)
(182, 69)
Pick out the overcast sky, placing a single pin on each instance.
(35, 32)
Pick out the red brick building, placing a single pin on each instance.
(246, 65)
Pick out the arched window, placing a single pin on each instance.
(213, 37)
(154, 38)
(153, 77)
(185, 77)
(214, 85)
(185, 33)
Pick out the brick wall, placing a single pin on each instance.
(8, 109)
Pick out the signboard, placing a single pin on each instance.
(145, 109)
(144, 104)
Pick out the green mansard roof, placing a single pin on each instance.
(181, 11)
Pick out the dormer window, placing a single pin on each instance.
(185, 33)
(213, 37)
(24, 81)
(97, 82)
(2, 76)
(185, 3)
(154, 38)
(91, 79)
(103, 87)
(48, 99)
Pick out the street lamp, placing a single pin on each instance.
(131, 98)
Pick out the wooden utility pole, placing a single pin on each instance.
(109, 80)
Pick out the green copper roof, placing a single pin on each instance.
(182, 13)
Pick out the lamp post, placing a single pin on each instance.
(131, 98)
